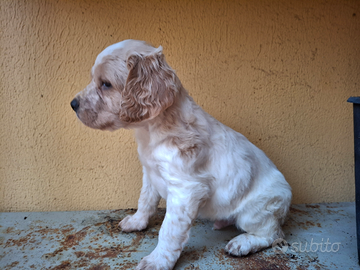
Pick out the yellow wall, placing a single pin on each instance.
(279, 72)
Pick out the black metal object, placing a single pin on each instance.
(356, 110)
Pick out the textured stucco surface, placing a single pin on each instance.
(279, 72)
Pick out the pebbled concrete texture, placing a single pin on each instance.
(280, 73)
(318, 236)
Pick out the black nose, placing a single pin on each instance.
(75, 104)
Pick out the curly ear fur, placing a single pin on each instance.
(150, 87)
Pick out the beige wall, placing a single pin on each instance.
(279, 72)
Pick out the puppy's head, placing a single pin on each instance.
(130, 83)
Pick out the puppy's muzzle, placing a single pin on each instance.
(75, 104)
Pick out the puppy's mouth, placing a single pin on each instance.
(86, 115)
(90, 117)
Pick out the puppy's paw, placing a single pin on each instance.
(246, 243)
(134, 223)
(150, 263)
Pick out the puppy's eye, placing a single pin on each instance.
(105, 85)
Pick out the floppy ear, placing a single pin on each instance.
(150, 87)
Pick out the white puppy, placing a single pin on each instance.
(201, 167)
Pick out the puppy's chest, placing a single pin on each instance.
(147, 157)
(155, 162)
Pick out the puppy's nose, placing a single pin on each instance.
(75, 104)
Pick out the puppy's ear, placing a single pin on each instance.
(150, 87)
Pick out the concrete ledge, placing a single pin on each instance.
(318, 236)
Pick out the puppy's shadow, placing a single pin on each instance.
(205, 245)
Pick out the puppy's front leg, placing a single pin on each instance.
(147, 205)
(181, 210)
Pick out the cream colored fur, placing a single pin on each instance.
(201, 167)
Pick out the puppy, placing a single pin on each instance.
(201, 167)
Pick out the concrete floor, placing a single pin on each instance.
(319, 236)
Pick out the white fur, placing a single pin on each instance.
(229, 180)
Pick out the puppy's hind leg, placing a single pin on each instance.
(260, 232)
